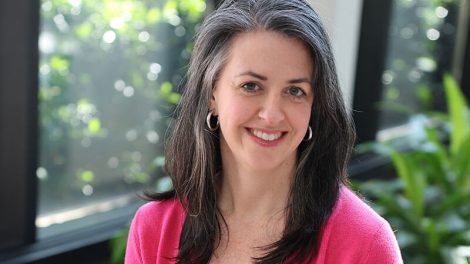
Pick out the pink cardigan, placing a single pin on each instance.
(354, 233)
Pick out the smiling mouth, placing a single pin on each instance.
(265, 136)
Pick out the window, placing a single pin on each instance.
(107, 71)
(83, 128)
(406, 46)
(421, 48)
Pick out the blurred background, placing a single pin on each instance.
(87, 89)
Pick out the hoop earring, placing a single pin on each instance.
(208, 122)
(310, 134)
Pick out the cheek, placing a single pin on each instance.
(301, 117)
(235, 112)
(228, 111)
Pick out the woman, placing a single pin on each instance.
(258, 153)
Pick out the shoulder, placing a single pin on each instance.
(159, 210)
(363, 236)
(155, 231)
(351, 211)
(152, 217)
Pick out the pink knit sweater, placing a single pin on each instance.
(354, 233)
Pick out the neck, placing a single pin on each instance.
(250, 193)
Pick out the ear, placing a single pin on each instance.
(213, 103)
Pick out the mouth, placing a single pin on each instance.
(265, 136)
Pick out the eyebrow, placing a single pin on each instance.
(256, 75)
(264, 78)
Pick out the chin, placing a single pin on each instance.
(264, 164)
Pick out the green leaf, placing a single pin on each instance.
(458, 111)
(174, 98)
(59, 64)
(398, 206)
(166, 88)
(94, 126)
(87, 176)
(413, 180)
(153, 15)
(437, 161)
(118, 246)
(84, 30)
(432, 233)
(451, 202)
(461, 163)
(170, 11)
(435, 169)
(433, 137)
(195, 8)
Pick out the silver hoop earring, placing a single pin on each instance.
(310, 134)
(208, 122)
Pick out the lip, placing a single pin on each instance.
(263, 142)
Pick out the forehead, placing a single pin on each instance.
(270, 52)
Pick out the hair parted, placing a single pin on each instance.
(193, 158)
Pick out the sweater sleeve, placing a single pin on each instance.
(383, 247)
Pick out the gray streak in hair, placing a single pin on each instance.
(193, 154)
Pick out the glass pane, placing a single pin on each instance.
(422, 38)
(108, 71)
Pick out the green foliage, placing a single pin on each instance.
(429, 203)
(118, 244)
(459, 116)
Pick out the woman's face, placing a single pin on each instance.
(263, 99)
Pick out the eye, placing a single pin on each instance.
(295, 91)
(250, 87)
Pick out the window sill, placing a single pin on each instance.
(94, 233)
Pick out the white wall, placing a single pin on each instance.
(342, 19)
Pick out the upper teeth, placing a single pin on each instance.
(266, 136)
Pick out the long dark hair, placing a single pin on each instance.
(193, 153)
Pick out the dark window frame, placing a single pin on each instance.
(19, 28)
(373, 40)
(465, 81)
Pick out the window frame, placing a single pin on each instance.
(465, 81)
(19, 27)
(373, 40)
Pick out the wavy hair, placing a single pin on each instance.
(193, 158)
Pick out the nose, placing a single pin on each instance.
(272, 111)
